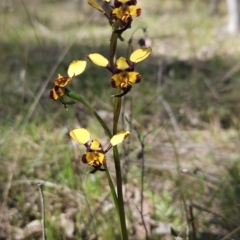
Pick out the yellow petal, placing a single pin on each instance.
(140, 54)
(59, 91)
(107, 1)
(134, 77)
(95, 5)
(62, 81)
(98, 59)
(123, 1)
(95, 159)
(135, 11)
(76, 68)
(80, 135)
(95, 145)
(122, 64)
(53, 94)
(119, 137)
(117, 13)
(116, 80)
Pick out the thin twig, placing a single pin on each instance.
(179, 179)
(192, 221)
(127, 124)
(171, 116)
(40, 188)
(231, 72)
(141, 140)
(165, 104)
(211, 212)
(231, 233)
(44, 85)
(33, 26)
(76, 196)
(212, 89)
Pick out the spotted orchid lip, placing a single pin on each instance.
(56, 92)
(62, 81)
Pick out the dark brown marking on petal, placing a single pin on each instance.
(132, 2)
(114, 15)
(53, 95)
(117, 3)
(108, 148)
(113, 83)
(59, 91)
(139, 11)
(62, 81)
(126, 135)
(138, 80)
(84, 159)
(104, 160)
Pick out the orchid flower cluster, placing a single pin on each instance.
(123, 77)
(123, 71)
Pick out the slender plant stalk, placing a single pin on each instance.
(120, 194)
(118, 199)
(40, 186)
(117, 109)
(116, 113)
(141, 140)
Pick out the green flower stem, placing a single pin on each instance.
(120, 194)
(78, 98)
(113, 42)
(114, 196)
(116, 113)
(117, 108)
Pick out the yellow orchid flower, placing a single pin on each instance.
(123, 74)
(75, 68)
(125, 9)
(95, 155)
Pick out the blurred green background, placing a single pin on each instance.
(186, 109)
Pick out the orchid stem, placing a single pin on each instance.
(116, 113)
(117, 108)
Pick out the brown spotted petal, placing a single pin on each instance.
(116, 80)
(134, 77)
(62, 81)
(56, 92)
(95, 159)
